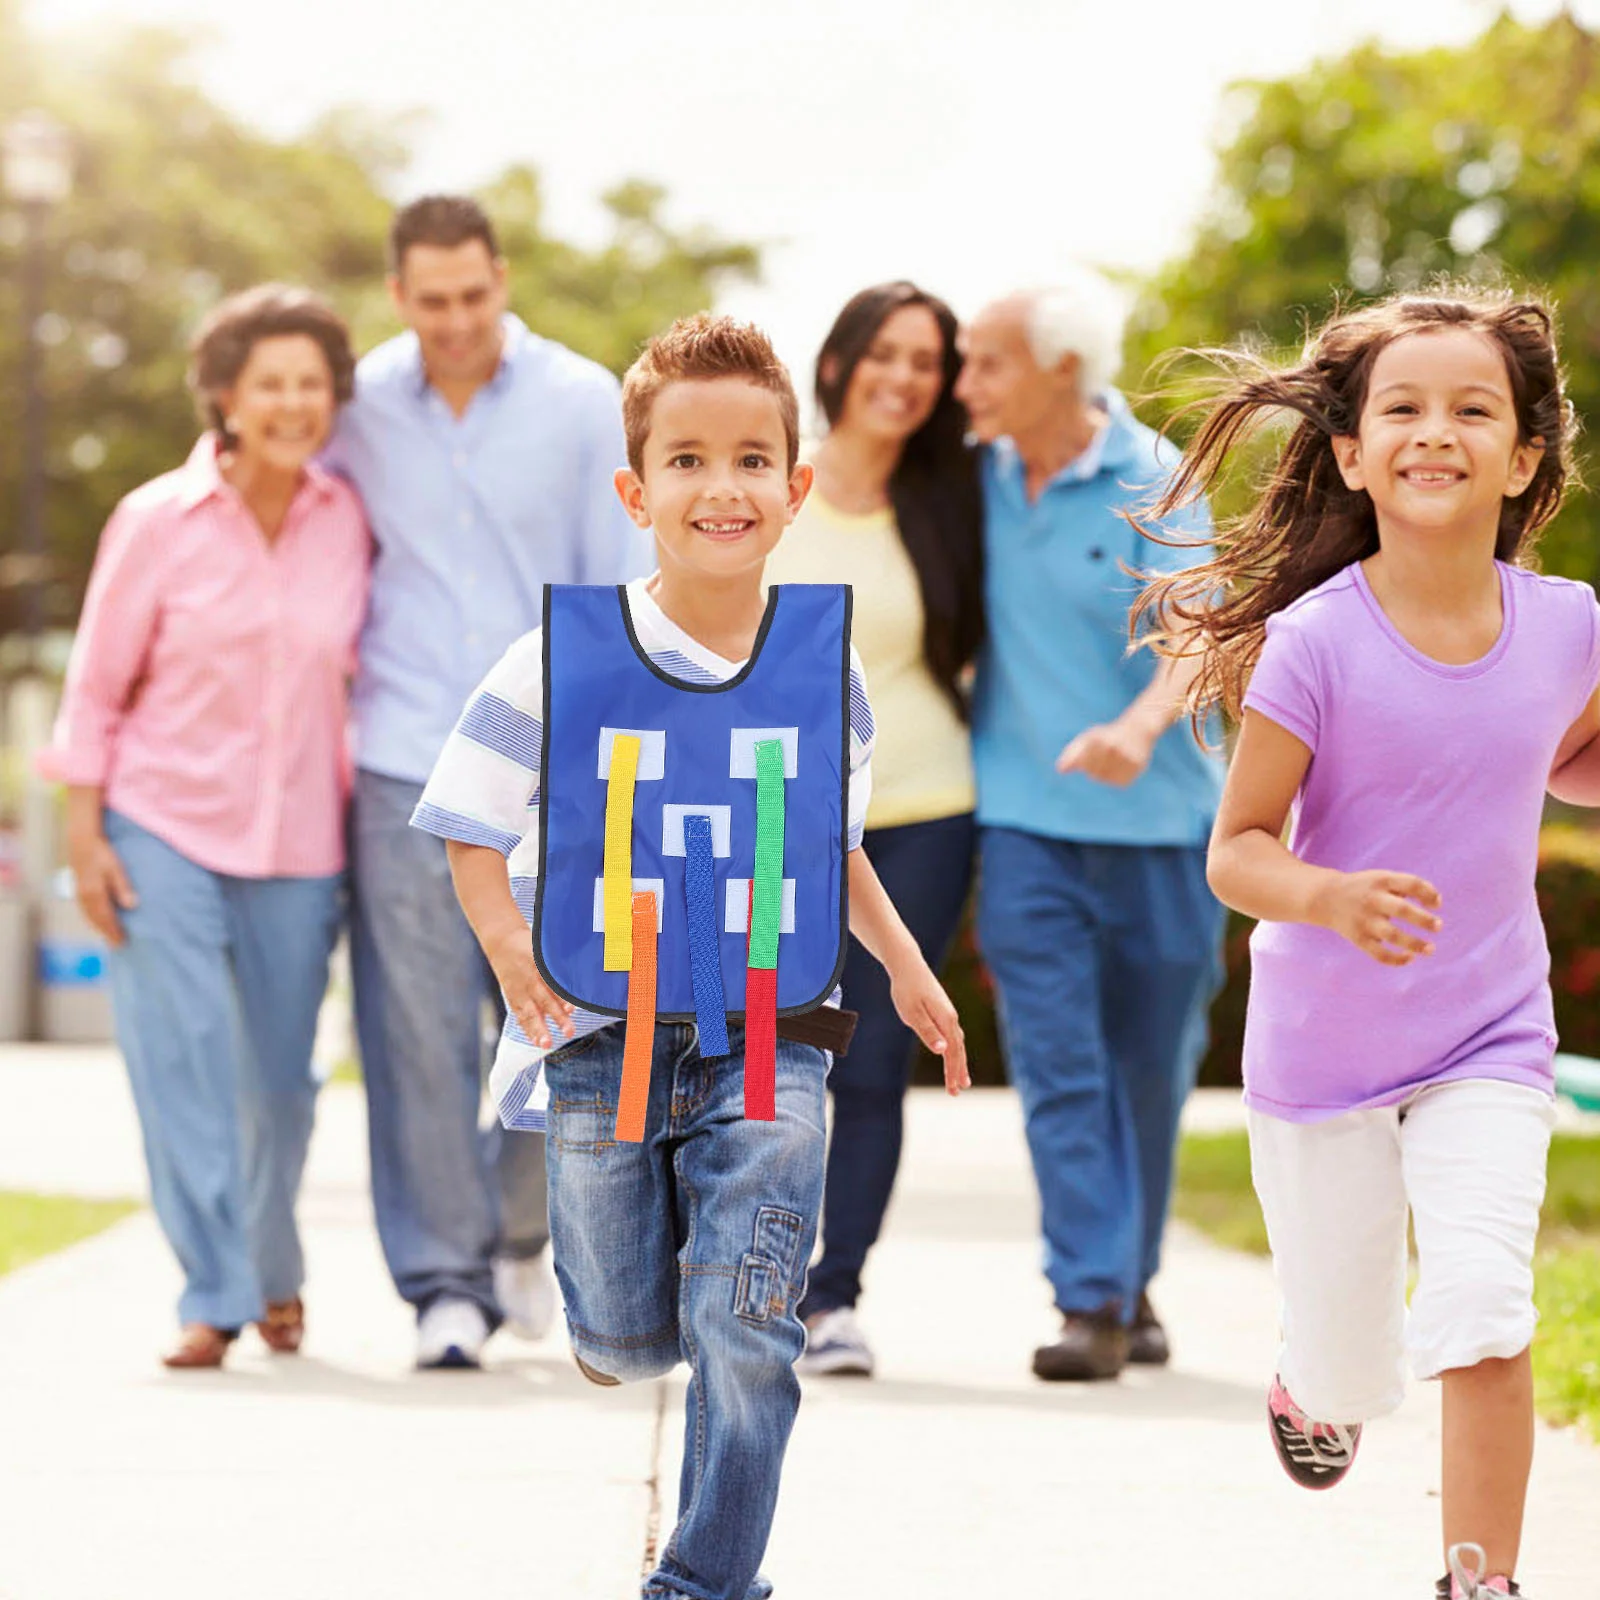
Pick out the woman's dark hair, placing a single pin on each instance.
(934, 486)
(1305, 525)
(222, 346)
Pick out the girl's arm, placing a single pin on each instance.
(483, 886)
(918, 996)
(1575, 772)
(1251, 869)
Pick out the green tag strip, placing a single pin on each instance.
(766, 912)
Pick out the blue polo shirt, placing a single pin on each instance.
(472, 516)
(1057, 660)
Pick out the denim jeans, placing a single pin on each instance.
(447, 1195)
(1105, 960)
(692, 1246)
(215, 994)
(926, 868)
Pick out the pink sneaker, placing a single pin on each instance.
(1315, 1454)
(1460, 1584)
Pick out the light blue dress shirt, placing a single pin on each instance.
(1056, 658)
(472, 517)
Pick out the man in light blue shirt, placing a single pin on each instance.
(1093, 811)
(485, 457)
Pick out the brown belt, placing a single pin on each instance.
(827, 1028)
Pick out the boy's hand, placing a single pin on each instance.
(1369, 908)
(925, 1008)
(527, 994)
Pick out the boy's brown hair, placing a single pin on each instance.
(702, 347)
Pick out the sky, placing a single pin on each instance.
(973, 147)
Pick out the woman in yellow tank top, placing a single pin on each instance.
(896, 513)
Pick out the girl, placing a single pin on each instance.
(896, 513)
(1408, 689)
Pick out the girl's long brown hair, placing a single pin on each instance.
(1305, 524)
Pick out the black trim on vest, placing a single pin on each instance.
(743, 672)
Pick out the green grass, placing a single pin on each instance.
(1214, 1194)
(33, 1225)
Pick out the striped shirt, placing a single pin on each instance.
(485, 791)
(207, 694)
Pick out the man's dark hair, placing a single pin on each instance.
(443, 220)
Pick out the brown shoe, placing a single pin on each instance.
(604, 1379)
(1093, 1345)
(1147, 1339)
(199, 1345)
(284, 1326)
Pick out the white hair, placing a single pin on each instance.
(1081, 315)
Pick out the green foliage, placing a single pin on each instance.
(34, 1225)
(1566, 1349)
(176, 203)
(1213, 1192)
(1377, 172)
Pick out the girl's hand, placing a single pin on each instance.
(528, 996)
(926, 1009)
(1369, 908)
(102, 883)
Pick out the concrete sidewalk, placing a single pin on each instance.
(343, 1475)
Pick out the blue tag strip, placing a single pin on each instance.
(705, 957)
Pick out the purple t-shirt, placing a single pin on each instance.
(1430, 769)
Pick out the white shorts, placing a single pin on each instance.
(1468, 1158)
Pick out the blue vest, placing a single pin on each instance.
(697, 744)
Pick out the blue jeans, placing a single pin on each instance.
(446, 1195)
(215, 994)
(693, 1246)
(1105, 960)
(926, 868)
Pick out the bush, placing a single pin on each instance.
(1569, 898)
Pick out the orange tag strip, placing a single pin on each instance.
(639, 1039)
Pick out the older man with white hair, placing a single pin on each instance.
(1094, 811)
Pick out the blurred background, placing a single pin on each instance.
(1237, 167)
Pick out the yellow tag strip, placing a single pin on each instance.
(619, 852)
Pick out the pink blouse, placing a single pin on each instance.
(206, 694)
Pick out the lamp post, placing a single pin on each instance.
(36, 154)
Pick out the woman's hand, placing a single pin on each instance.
(102, 883)
(528, 996)
(927, 1010)
(1372, 909)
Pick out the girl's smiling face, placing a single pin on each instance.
(1438, 447)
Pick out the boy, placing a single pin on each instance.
(682, 1228)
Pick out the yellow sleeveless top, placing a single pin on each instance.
(922, 760)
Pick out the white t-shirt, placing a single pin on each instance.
(485, 787)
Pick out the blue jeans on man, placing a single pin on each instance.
(447, 1194)
(692, 1246)
(1105, 958)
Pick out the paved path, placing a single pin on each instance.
(343, 1475)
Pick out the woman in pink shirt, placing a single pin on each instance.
(202, 738)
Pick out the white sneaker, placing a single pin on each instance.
(835, 1344)
(451, 1334)
(526, 1291)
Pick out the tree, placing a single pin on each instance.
(176, 203)
(1378, 172)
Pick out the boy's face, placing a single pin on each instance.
(715, 484)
